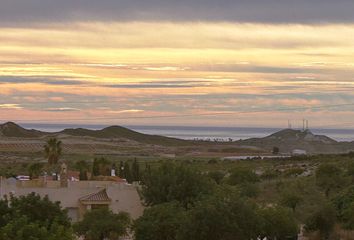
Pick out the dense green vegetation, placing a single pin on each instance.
(100, 224)
(188, 205)
(269, 198)
(33, 217)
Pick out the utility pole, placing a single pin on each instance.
(289, 124)
(303, 124)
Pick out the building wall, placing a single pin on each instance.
(124, 197)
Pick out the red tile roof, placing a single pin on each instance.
(100, 196)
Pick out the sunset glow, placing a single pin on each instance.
(190, 72)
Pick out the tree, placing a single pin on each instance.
(350, 171)
(347, 217)
(174, 182)
(100, 224)
(135, 171)
(278, 223)
(322, 220)
(95, 167)
(127, 173)
(53, 150)
(160, 222)
(33, 217)
(329, 177)
(83, 175)
(5, 212)
(83, 167)
(22, 229)
(101, 167)
(222, 216)
(275, 150)
(121, 169)
(38, 209)
(344, 204)
(35, 170)
(290, 199)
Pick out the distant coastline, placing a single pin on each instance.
(192, 132)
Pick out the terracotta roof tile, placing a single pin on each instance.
(100, 196)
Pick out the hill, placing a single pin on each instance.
(298, 135)
(122, 132)
(11, 129)
(289, 139)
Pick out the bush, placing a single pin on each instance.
(322, 220)
(242, 175)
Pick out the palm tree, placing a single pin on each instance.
(53, 150)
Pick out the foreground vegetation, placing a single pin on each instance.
(211, 199)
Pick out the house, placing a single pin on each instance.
(78, 197)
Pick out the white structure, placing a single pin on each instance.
(299, 152)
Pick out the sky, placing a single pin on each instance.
(255, 63)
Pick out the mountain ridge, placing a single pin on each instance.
(11, 129)
(286, 140)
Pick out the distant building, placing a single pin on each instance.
(298, 152)
(78, 197)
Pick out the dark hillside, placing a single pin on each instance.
(121, 132)
(11, 129)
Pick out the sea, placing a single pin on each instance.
(201, 133)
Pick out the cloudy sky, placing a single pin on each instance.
(167, 62)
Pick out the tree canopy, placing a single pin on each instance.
(101, 167)
(174, 182)
(100, 224)
(33, 217)
(322, 220)
(329, 177)
(160, 222)
(278, 223)
(222, 216)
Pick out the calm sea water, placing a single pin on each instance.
(188, 132)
